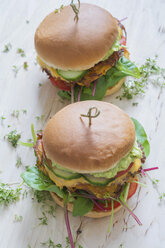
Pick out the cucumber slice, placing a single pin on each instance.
(65, 174)
(98, 181)
(71, 75)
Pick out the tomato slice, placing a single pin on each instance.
(123, 41)
(132, 190)
(60, 84)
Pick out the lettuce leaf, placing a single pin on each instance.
(35, 179)
(142, 136)
(123, 68)
(38, 181)
(82, 206)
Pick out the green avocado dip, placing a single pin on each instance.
(123, 164)
(115, 47)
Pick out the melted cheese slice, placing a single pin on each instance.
(75, 182)
(49, 68)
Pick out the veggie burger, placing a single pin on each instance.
(86, 59)
(90, 156)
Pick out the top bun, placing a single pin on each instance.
(66, 44)
(70, 141)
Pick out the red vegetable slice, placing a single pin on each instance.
(121, 173)
(132, 190)
(60, 84)
(123, 41)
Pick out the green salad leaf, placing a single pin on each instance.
(38, 181)
(64, 94)
(123, 68)
(82, 206)
(142, 136)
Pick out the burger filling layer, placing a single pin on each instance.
(101, 187)
(84, 78)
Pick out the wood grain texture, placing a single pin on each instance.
(146, 37)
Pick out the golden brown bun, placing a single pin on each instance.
(92, 214)
(70, 45)
(70, 142)
(115, 88)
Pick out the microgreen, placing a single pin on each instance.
(15, 70)
(13, 137)
(40, 118)
(155, 181)
(7, 48)
(43, 219)
(19, 162)
(49, 243)
(33, 134)
(3, 117)
(21, 52)
(15, 113)
(18, 218)
(162, 196)
(24, 111)
(150, 73)
(8, 195)
(25, 66)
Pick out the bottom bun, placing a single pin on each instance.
(115, 88)
(92, 214)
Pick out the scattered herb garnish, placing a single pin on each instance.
(43, 219)
(162, 196)
(3, 117)
(40, 118)
(59, 10)
(42, 196)
(75, 9)
(27, 21)
(150, 73)
(19, 162)
(89, 114)
(39, 84)
(49, 243)
(135, 103)
(15, 69)
(18, 218)
(33, 134)
(25, 66)
(13, 137)
(7, 48)
(15, 114)
(8, 195)
(21, 52)
(155, 181)
(24, 111)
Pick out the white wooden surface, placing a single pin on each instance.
(146, 37)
